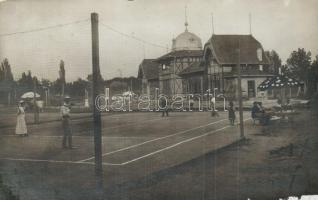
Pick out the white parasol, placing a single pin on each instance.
(29, 95)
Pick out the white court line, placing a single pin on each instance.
(153, 140)
(177, 144)
(127, 124)
(127, 162)
(75, 136)
(54, 161)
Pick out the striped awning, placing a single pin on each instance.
(279, 81)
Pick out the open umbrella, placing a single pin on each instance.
(29, 95)
(280, 81)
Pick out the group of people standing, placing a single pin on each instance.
(21, 127)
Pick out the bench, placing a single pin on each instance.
(289, 114)
(261, 117)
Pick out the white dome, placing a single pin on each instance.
(186, 41)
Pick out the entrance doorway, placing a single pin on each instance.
(251, 89)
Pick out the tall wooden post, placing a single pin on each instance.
(174, 76)
(48, 96)
(34, 101)
(35, 107)
(96, 112)
(239, 89)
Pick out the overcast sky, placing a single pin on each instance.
(282, 25)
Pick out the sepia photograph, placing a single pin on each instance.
(158, 100)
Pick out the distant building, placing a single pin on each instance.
(148, 73)
(186, 53)
(221, 58)
(189, 69)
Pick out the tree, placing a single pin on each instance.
(90, 78)
(275, 60)
(299, 63)
(118, 87)
(26, 81)
(5, 71)
(285, 70)
(313, 77)
(77, 88)
(45, 82)
(62, 77)
(2, 75)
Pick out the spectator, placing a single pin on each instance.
(164, 106)
(21, 128)
(65, 113)
(214, 113)
(255, 110)
(231, 113)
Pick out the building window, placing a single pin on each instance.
(261, 67)
(259, 54)
(251, 89)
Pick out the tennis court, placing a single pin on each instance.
(134, 145)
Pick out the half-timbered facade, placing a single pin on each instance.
(224, 53)
(186, 51)
(189, 69)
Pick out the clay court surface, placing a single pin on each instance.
(129, 138)
(134, 144)
(137, 147)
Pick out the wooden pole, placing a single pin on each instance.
(48, 96)
(96, 112)
(174, 76)
(35, 108)
(239, 87)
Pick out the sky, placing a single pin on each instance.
(280, 25)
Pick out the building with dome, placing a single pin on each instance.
(192, 69)
(186, 51)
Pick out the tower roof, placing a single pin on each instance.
(187, 41)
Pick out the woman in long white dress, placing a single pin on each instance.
(21, 128)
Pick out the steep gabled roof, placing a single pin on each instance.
(225, 48)
(148, 69)
(180, 54)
